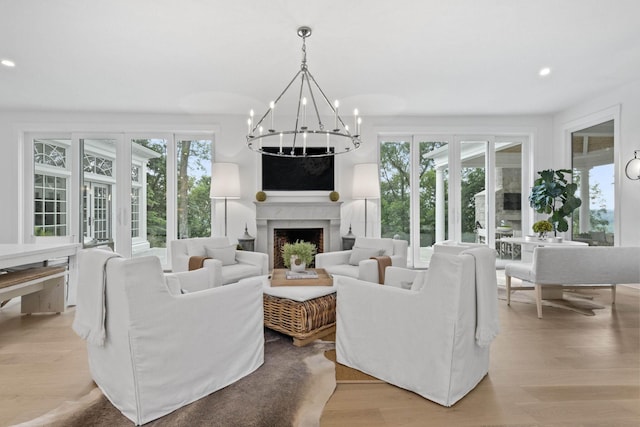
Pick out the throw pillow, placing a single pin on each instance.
(360, 254)
(197, 246)
(226, 255)
(384, 245)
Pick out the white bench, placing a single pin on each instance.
(574, 267)
(41, 288)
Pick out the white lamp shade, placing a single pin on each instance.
(366, 181)
(225, 181)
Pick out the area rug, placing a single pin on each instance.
(290, 389)
(579, 302)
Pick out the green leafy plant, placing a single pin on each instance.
(542, 227)
(552, 194)
(304, 250)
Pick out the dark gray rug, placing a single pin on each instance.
(290, 389)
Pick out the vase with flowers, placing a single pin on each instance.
(542, 228)
(297, 256)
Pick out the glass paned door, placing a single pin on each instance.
(434, 195)
(98, 213)
(592, 152)
(194, 184)
(149, 192)
(98, 191)
(473, 183)
(395, 188)
(508, 197)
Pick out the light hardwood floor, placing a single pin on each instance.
(566, 369)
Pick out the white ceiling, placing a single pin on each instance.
(400, 57)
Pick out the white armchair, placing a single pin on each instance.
(433, 336)
(453, 247)
(164, 350)
(356, 262)
(228, 264)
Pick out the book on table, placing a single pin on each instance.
(305, 274)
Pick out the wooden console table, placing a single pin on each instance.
(18, 255)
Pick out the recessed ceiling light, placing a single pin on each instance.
(544, 71)
(8, 63)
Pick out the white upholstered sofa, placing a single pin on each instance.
(228, 264)
(153, 350)
(356, 262)
(426, 331)
(575, 267)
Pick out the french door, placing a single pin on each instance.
(97, 222)
(461, 187)
(132, 192)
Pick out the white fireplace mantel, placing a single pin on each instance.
(272, 215)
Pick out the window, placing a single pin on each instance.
(433, 167)
(592, 156)
(50, 187)
(135, 212)
(161, 181)
(150, 181)
(50, 196)
(395, 189)
(417, 183)
(98, 187)
(193, 184)
(419, 216)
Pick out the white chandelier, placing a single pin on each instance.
(304, 138)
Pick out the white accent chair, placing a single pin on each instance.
(453, 247)
(228, 264)
(163, 349)
(356, 263)
(425, 331)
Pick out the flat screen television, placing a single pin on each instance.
(298, 173)
(512, 202)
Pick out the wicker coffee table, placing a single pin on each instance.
(304, 312)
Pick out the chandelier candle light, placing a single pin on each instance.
(295, 141)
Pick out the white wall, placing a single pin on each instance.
(627, 98)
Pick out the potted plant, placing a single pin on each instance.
(542, 228)
(552, 194)
(296, 256)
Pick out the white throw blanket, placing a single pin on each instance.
(90, 306)
(487, 323)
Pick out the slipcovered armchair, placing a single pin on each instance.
(228, 264)
(453, 247)
(152, 350)
(356, 262)
(430, 332)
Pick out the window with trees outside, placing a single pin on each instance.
(418, 216)
(418, 176)
(162, 181)
(592, 151)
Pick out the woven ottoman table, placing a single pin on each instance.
(303, 311)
